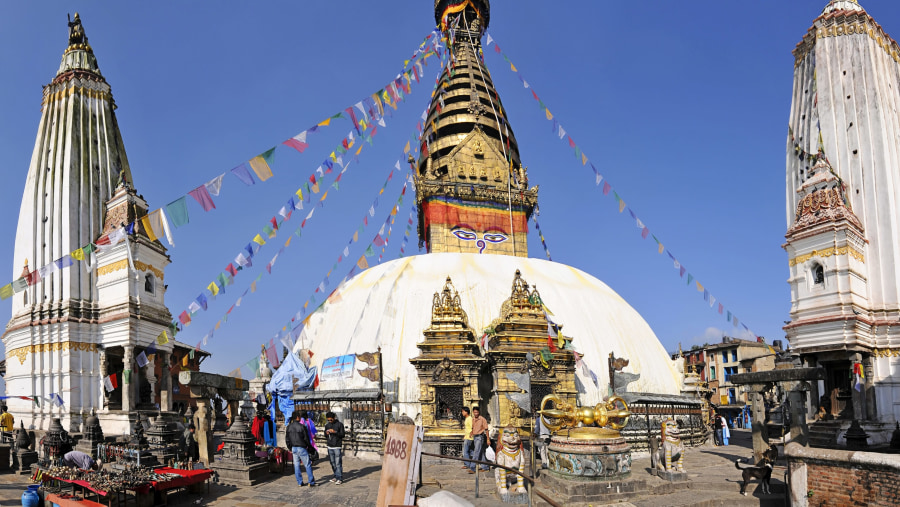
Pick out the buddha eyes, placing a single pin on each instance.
(494, 238)
(465, 235)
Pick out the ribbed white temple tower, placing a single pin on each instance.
(843, 213)
(71, 326)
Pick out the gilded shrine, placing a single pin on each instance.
(520, 343)
(449, 366)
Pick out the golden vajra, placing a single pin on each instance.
(613, 413)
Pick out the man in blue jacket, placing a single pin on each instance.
(296, 438)
(334, 438)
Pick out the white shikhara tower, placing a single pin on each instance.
(73, 325)
(843, 212)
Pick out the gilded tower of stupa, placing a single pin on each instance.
(471, 188)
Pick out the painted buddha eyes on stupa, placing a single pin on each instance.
(468, 234)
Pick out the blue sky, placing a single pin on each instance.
(683, 109)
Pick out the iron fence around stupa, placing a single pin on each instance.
(649, 411)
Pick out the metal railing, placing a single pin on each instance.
(529, 480)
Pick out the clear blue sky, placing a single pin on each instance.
(682, 107)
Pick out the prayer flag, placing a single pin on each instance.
(260, 165)
(142, 360)
(184, 318)
(163, 338)
(184, 360)
(606, 188)
(690, 278)
(201, 195)
(178, 210)
(243, 174)
(721, 308)
(202, 300)
(363, 263)
(214, 186)
(6, 291)
(297, 142)
(148, 229)
(213, 288)
(259, 240)
(77, 254)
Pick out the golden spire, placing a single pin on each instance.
(472, 189)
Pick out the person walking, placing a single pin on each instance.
(334, 439)
(468, 442)
(725, 434)
(296, 438)
(480, 437)
(717, 424)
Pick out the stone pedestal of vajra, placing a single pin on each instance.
(589, 463)
(239, 465)
(589, 453)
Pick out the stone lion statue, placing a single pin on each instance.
(509, 454)
(671, 452)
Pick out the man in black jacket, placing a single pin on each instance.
(334, 437)
(296, 438)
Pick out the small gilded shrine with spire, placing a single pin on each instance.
(471, 188)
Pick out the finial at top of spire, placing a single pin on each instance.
(443, 8)
(76, 31)
(842, 5)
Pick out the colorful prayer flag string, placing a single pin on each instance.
(559, 131)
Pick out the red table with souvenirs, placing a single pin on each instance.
(186, 478)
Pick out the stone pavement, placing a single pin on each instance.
(714, 481)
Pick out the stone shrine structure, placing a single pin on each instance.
(93, 435)
(203, 387)
(24, 456)
(239, 464)
(162, 438)
(843, 216)
(73, 323)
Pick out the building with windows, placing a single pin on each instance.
(733, 356)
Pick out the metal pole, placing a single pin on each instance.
(477, 468)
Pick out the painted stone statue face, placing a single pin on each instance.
(481, 239)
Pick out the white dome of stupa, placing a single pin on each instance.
(390, 305)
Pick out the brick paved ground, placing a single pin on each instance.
(713, 482)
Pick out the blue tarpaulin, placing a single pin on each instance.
(291, 373)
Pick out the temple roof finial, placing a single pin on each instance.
(843, 5)
(78, 55)
(482, 8)
(76, 31)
